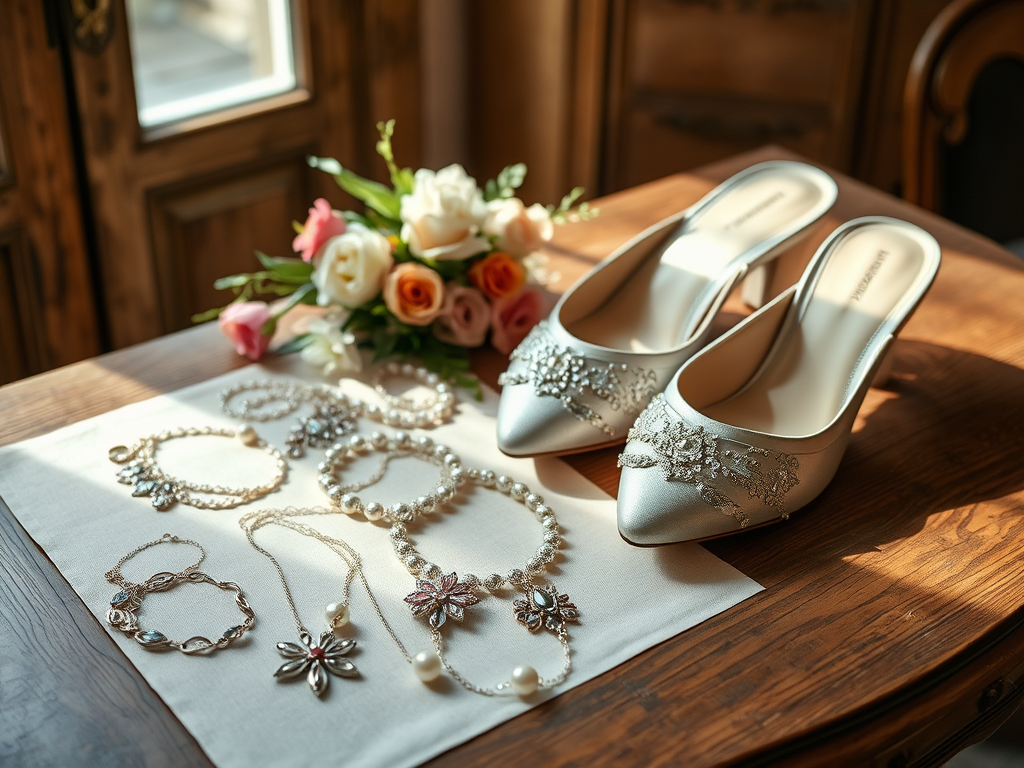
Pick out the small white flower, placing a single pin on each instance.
(443, 215)
(331, 349)
(350, 267)
(519, 230)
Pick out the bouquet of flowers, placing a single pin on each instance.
(433, 267)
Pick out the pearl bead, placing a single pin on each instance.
(426, 665)
(525, 680)
(247, 435)
(350, 504)
(378, 439)
(337, 614)
(373, 511)
(518, 491)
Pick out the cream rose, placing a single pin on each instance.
(443, 215)
(520, 230)
(350, 267)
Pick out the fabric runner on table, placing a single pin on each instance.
(62, 487)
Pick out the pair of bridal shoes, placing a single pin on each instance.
(753, 426)
(617, 337)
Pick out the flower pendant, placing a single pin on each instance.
(441, 599)
(315, 660)
(545, 607)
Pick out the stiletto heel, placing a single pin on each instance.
(754, 426)
(755, 289)
(884, 372)
(615, 338)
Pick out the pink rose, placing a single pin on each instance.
(414, 293)
(243, 323)
(513, 316)
(321, 225)
(465, 317)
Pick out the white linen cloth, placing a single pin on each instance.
(63, 490)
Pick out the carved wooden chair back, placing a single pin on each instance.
(963, 117)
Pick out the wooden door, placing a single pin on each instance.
(180, 202)
(47, 316)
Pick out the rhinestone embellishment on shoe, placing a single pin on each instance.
(557, 371)
(692, 455)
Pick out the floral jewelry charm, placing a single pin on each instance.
(441, 599)
(544, 607)
(441, 596)
(163, 490)
(328, 423)
(316, 660)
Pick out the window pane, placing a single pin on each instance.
(192, 57)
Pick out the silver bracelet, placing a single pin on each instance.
(334, 413)
(163, 490)
(125, 606)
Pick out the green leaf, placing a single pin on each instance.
(210, 314)
(293, 271)
(295, 343)
(511, 178)
(491, 190)
(299, 296)
(231, 281)
(374, 194)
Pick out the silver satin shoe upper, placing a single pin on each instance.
(754, 426)
(615, 339)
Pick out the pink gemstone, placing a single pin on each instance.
(316, 652)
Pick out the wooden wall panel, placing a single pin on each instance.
(209, 228)
(18, 339)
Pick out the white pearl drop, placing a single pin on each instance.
(247, 435)
(525, 680)
(426, 665)
(337, 614)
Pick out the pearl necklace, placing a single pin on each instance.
(163, 490)
(334, 413)
(440, 596)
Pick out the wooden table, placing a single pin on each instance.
(890, 632)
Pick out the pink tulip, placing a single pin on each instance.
(243, 323)
(321, 225)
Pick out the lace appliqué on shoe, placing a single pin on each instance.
(692, 455)
(557, 371)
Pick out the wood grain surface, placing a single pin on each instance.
(890, 632)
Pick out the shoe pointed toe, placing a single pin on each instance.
(652, 511)
(529, 425)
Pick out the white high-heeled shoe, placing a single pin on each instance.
(754, 426)
(616, 337)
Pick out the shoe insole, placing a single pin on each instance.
(806, 381)
(656, 308)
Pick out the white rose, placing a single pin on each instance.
(331, 349)
(350, 267)
(519, 230)
(442, 217)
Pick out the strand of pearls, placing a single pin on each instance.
(275, 399)
(400, 445)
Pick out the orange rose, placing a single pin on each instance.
(414, 293)
(498, 275)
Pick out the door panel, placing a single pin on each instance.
(47, 310)
(207, 228)
(176, 205)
